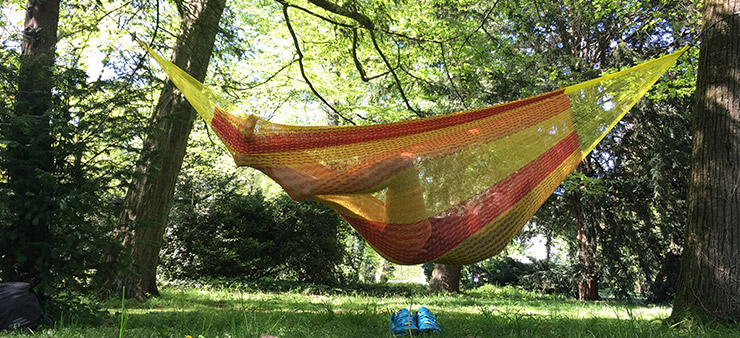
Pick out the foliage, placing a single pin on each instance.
(552, 279)
(57, 219)
(498, 271)
(223, 225)
(361, 262)
(243, 236)
(71, 211)
(632, 187)
(540, 276)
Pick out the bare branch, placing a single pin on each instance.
(300, 63)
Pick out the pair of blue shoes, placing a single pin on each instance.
(402, 323)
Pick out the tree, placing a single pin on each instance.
(149, 198)
(445, 277)
(56, 131)
(565, 48)
(28, 159)
(454, 55)
(709, 282)
(641, 160)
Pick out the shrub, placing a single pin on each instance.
(552, 280)
(497, 270)
(247, 237)
(538, 276)
(58, 185)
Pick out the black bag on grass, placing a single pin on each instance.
(20, 307)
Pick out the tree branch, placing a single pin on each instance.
(268, 79)
(358, 65)
(449, 77)
(427, 82)
(362, 19)
(300, 63)
(393, 72)
(366, 23)
(327, 19)
(482, 22)
(357, 62)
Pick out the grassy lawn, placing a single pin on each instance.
(307, 312)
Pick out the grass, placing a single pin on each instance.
(307, 312)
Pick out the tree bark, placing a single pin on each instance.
(28, 156)
(588, 285)
(709, 282)
(149, 198)
(445, 277)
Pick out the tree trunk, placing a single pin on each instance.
(149, 198)
(28, 157)
(445, 277)
(548, 248)
(709, 282)
(588, 286)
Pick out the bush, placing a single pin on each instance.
(247, 237)
(559, 280)
(497, 270)
(538, 276)
(312, 239)
(662, 288)
(57, 185)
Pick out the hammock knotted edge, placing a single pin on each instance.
(451, 189)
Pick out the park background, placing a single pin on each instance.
(110, 183)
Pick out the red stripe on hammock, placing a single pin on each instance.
(298, 140)
(455, 225)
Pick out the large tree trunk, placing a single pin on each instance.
(28, 157)
(445, 277)
(709, 282)
(149, 199)
(588, 285)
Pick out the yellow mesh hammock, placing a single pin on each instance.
(451, 189)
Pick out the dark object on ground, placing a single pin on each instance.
(20, 307)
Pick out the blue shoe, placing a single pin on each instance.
(426, 320)
(402, 323)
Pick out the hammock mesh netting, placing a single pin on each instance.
(451, 189)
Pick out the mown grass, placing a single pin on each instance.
(306, 312)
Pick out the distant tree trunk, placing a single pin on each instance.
(588, 286)
(445, 277)
(548, 247)
(149, 198)
(385, 271)
(709, 281)
(28, 156)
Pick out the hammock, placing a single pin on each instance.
(451, 189)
